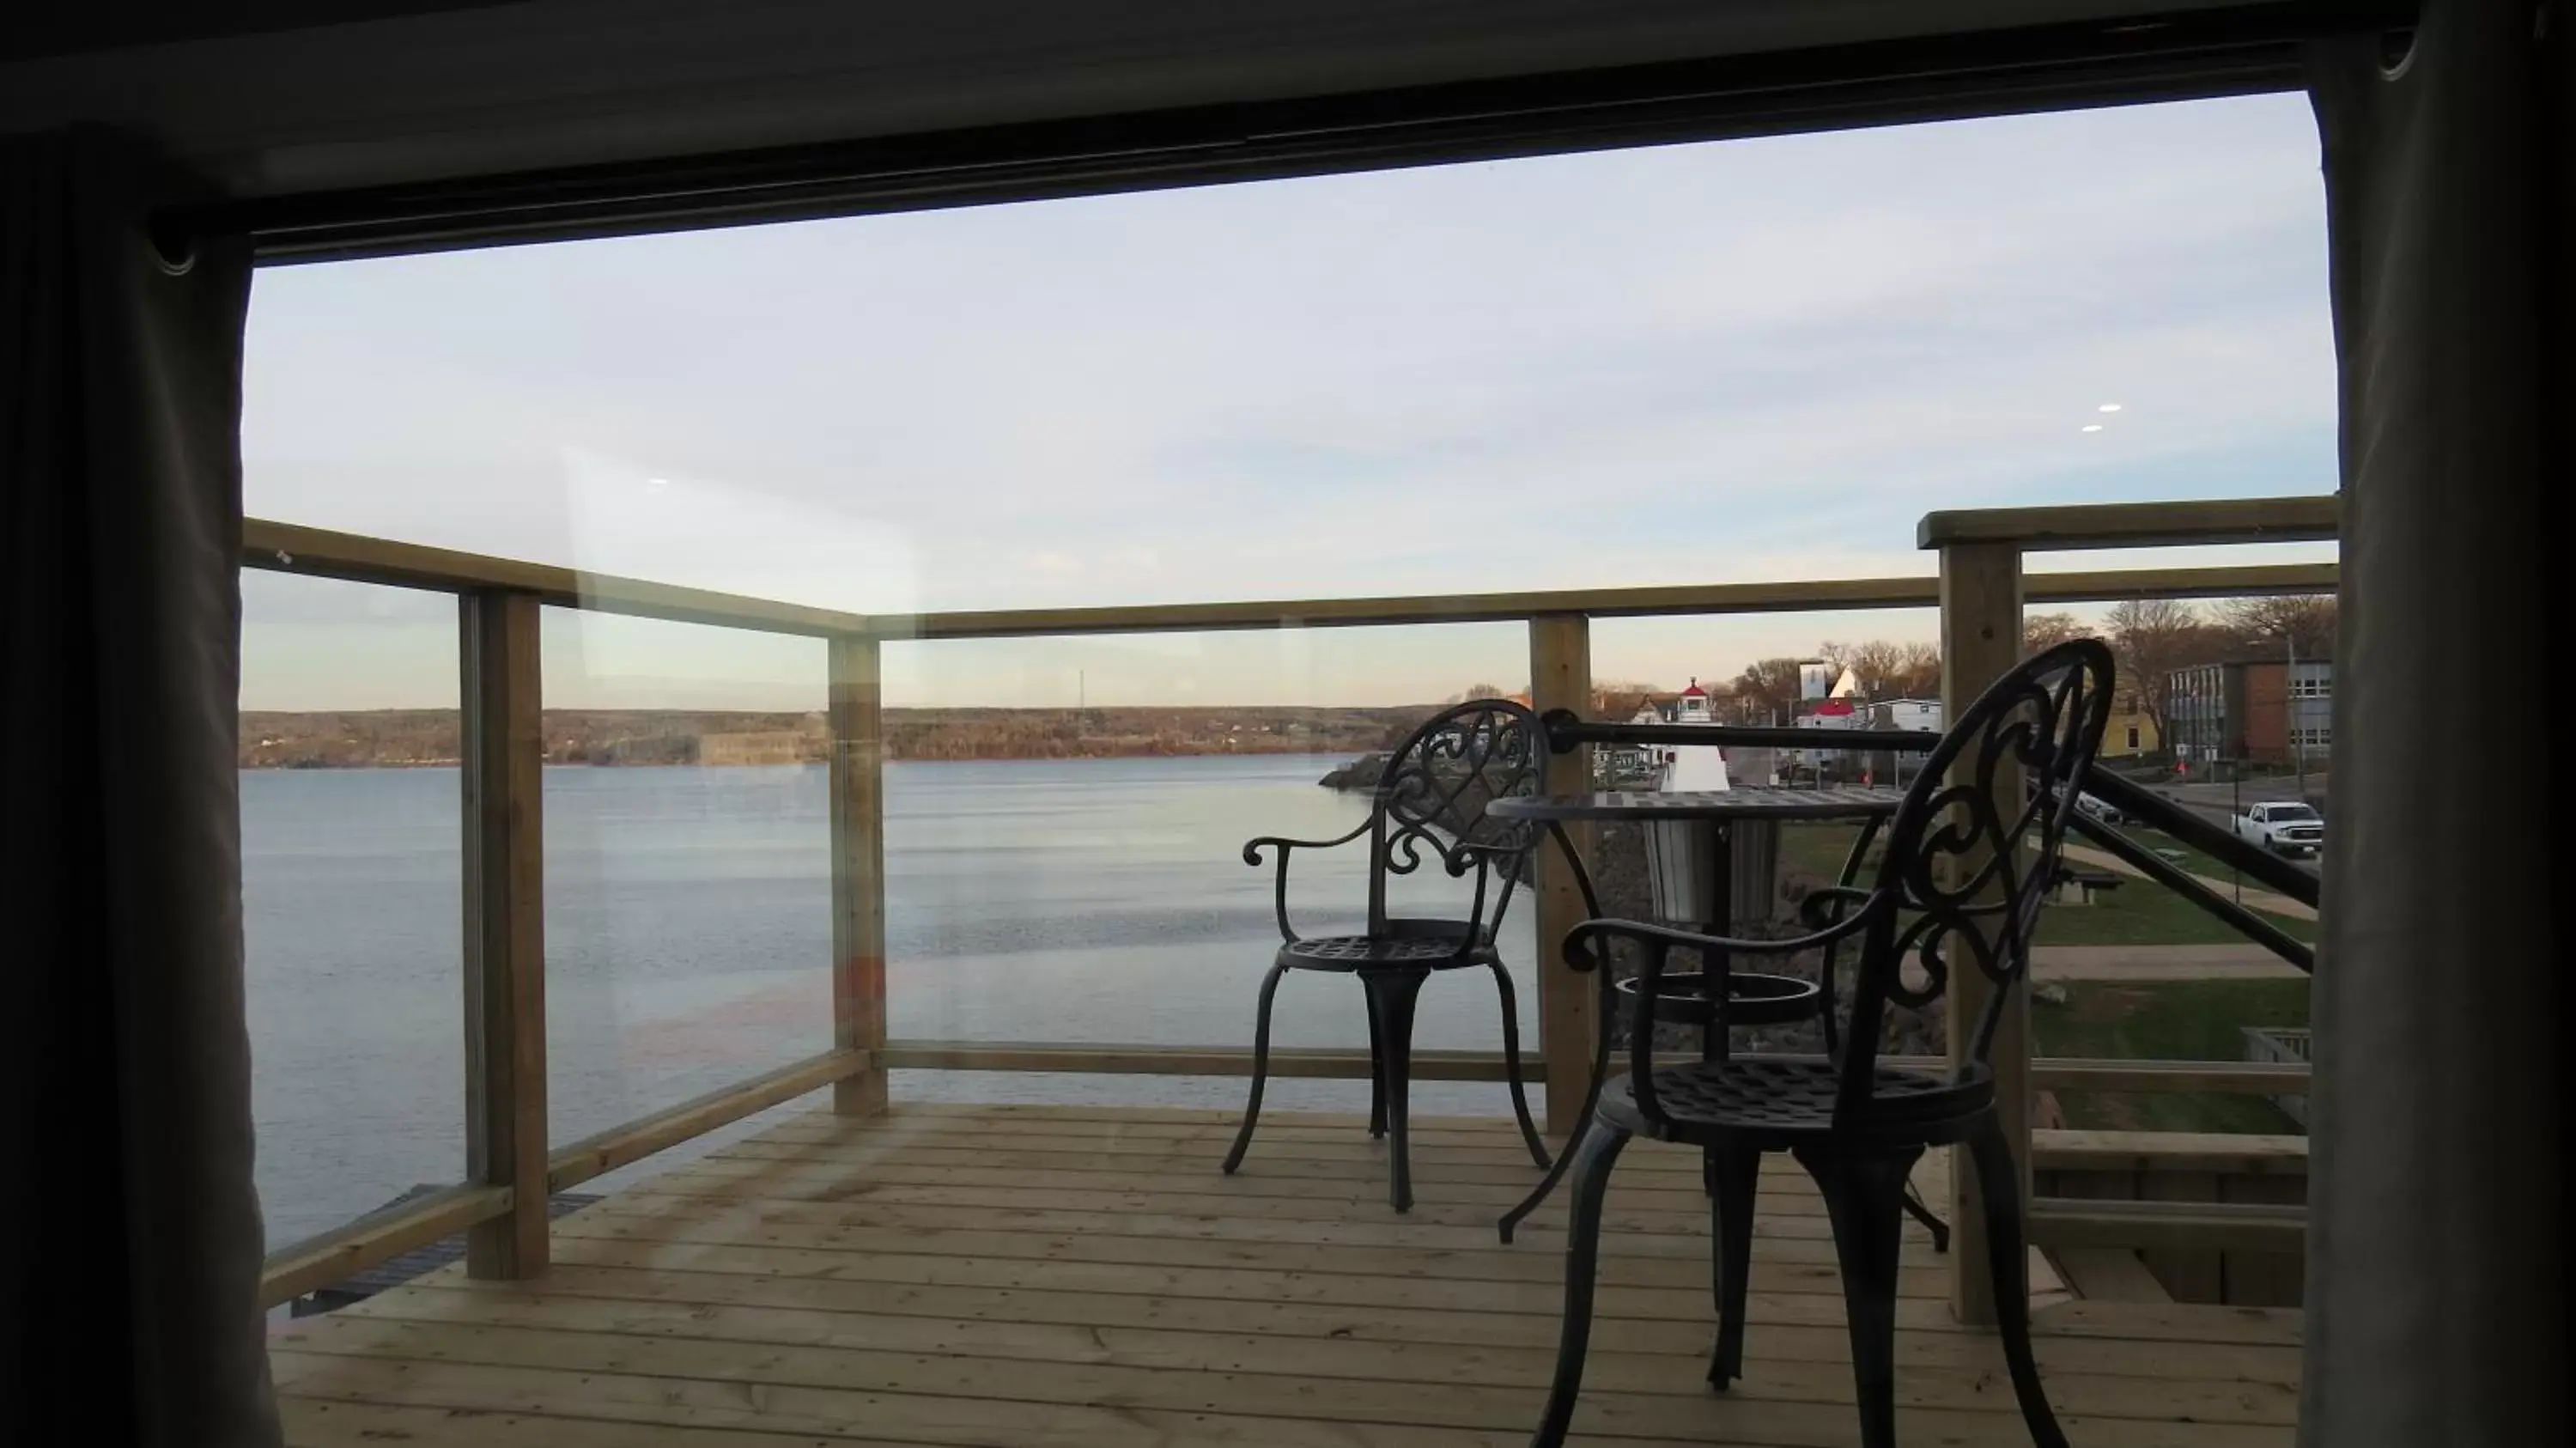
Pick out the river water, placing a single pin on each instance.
(688, 942)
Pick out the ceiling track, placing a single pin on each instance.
(2185, 55)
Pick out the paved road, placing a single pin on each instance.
(2156, 963)
(2218, 801)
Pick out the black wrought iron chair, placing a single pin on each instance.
(1956, 880)
(1431, 798)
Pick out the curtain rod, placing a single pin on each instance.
(2180, 55)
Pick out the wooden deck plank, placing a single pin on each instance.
(2094, 1347)
(1004, 1212)
(1666, 1169)
(1487, 1261)
(975, 1277)
(1039, 1173)
(1672, 1367)
(327, 1423)
(1207, 1193)
(1276, 1395)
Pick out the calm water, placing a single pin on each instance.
(688, 940)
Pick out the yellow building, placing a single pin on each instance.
(2132, 731)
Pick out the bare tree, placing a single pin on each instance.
(1620, 699)
(2152, 637)
(1916, 673)
(1769, 688)
(2276, 625)
(2048, 630)
(1886, 669)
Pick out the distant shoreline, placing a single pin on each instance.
(1350, 755)
(633, 738)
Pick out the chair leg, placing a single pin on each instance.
(1915, 1208)
(1730, 1235)
(1391, 994)
(1598, 1153)
(1583, 1120)
(1377, 1069)
(1864, 1193)
(1260, 1067)
(1999, 1183)
(1512, 1065)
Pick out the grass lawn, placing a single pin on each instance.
(2195, 1020)
(2198, 862)
(2139, 912)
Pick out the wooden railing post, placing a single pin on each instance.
(1981, 620)
(502, 753)
(1561, 678)
(857, 784)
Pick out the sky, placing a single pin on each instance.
(1745, 360)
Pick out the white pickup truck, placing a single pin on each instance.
(2284, 828)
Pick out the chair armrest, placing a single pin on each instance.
(1662, 939)
(1659, 942)
(1811, 911)
(1253, 847)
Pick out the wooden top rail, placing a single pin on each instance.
(2139, 525)
(288, 548)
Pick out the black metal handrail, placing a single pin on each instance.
(2268, 869)
(1567, 731)
(2173, 877)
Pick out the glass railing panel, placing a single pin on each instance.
(353, 936)
(1064, 835)
(688, 865)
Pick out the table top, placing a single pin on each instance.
(1744, 802)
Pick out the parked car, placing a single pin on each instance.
(2283, 827)
(2097, 808)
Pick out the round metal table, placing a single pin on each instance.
(1691, 838)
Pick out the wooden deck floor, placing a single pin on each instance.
(1085, 1278)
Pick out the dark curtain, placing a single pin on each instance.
(133, 1243)
(2437, 1249)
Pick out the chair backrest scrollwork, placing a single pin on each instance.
(1432, 796)
(1974, 848)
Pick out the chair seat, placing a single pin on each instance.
(1367, 952)
(1793, 1096)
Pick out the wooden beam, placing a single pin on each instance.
(2246, 581)
(283, 547)
(2235, 1078)
(2225, 1153)
(2047, 1072)
(1981, 607)
(505, 928)
(1560, 646)
(620, 1146)
(1328, 1062)
(2139, 525)
(321, 1260)
(857, 784)
(2169, 1226)
(1713, 599)
(2109, 1274)
(322, 553)
(288, 548)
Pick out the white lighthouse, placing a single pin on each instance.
(1693, 766)
(1692, 708)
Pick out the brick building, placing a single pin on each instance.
(2269, 711)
